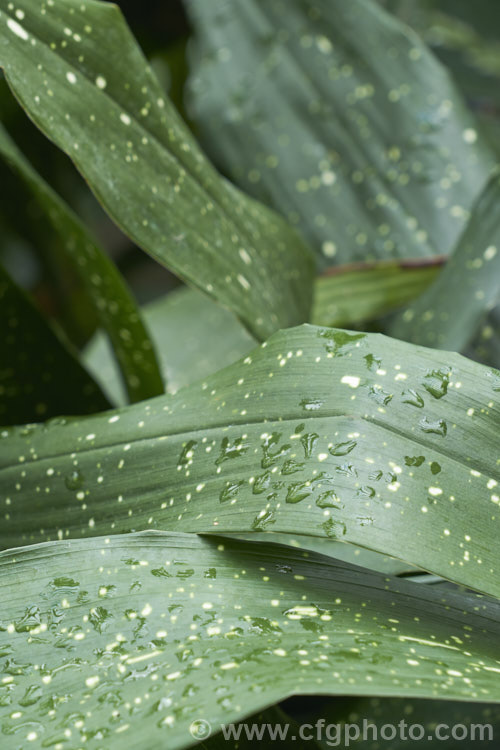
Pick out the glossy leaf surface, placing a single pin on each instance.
(339, 116)
(92, 92)
(106, 641)
(349, 436)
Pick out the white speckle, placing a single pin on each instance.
(71, 77)
(469, 135)
(146, 611)
(90, 436)
(125, 118)
(435, 491)
(329, 249)
(92, 681)
(101, 82)
(243, 281)
(111, 420)
(328, 177)
(490, 252)
(20, 14)
(324, 44)
(351, 380)
(245, 256)
(17, 29)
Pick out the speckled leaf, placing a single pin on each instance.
(39, 377)
(212, 338)
(355, 293)
(131, 639)
(103, 283)
(486, 345)
(339, 116)
(193, 336)
(80, 75)
(449, 312)
(342, 435)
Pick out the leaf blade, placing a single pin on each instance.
(39, 378)
(367, 147)
(355, 437)
(103, 283)
(137, 152)
(105, 616)
(448, 313)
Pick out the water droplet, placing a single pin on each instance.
(334, 529)
(372, 362)
(262, 483)
(98, 617)
(311, 404)
(340, 343)
(29, 621)
(260, 522)
(282, 568)
(231, 450)
(412, 397)
(342, 449)
(414, 460)
(329, 500)
(272, 457)
(291, 467)
(365, 520)
(378, 394)
(230, 491)
(63, 582)
(31, 695)
(436, 382)
(298, 491)
(74, 480)
(366, 491)
(308, 442)
(437, 427)
(187, 453)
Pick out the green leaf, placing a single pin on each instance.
(39, 377)
(339, 116)
(351, 436)
(349, 553)
(449, 312)
(81, 77)
(118, 639)
(103, 283)
(486, 345)
(194, 337)
(212, 338)
(351, 294)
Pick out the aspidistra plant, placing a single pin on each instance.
(246, 536)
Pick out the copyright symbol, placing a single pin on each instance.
(200, 729)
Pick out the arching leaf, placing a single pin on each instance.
(78, 72)
(448, 313)
(349, 436)
(39, 377)
(107, 290)
(115, 640)
(338, 115)
(194, 338)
